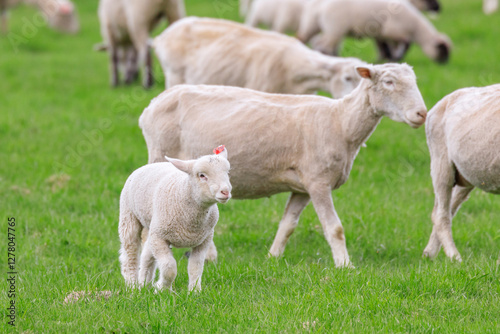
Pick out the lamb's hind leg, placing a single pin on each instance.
(294, 207)
(129, 229)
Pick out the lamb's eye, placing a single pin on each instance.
(202, 176)
(348, 79)
(389, 82)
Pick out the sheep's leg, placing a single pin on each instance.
(309, 26)
(113, 62)
(332, 227)
(173, 78)
(147, 267)
(443, 179)
(196, 262)
(294, 207)
(131, 68)
(280, 23)
(140, 36)
(399, 50)
(129, 229)
(458, 196)
(165, 261)
(211, 252)
(327, 44)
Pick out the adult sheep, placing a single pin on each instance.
(463, 138)
(285, 15)
(326, 22)
(220, 52)
(125, 29)
(301, 144)
(60, 15)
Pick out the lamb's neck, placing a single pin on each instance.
(192, 197)
(358, 117)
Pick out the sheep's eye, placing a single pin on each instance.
(389, 82)
(348, 79)
(202, 176)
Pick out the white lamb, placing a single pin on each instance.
(61, 15)
(219, 52)
(463, 138)
(303, 144)
(285, 15)
(125, 29)
(176, 201)
(387, 21)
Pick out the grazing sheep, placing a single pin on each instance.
(60, 14)
(389, 21)
(219, 52)
(302, 144)
(176, 201)
(285, 15)
(463, 138)
(125, 29)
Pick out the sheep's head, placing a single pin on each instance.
(393, 92)
(344, 77)
(438, 48)
(427, 5)
(62, 16)
(210, 174)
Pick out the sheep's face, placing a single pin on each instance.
(394, 93)
(344, 80)
(63, 17)
(438, 49)
(211, 173)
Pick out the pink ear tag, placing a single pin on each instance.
(219, 149)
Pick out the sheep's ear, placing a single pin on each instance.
(365, 72)
(182, 165)
(223, 153)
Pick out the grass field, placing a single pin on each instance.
(69, 141)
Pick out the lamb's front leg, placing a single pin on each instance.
(196, 262)
(165, 260)
(147, 265)
(321, 197)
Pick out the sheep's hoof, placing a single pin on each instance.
(187, 254)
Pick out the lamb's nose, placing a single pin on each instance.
(225, 192)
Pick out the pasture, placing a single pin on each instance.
(69, 142)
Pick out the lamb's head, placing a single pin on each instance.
(393, 92)
(438, 48)
(62, 16)
(344, 77)
(209, 174)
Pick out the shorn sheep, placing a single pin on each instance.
(125, 29)
(303, 144)
(393, 24)
(176, 201)
(285, 15)
(220, 52)
(60, 15)
(463, 138)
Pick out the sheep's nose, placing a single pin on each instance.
(422, 113)
(225, 192)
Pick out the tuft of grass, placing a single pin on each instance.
(69, 142)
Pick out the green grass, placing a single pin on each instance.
(69, 142)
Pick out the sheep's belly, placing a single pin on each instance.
(185, 239)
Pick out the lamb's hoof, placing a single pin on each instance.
(187, 254)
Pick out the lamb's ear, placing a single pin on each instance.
(365, 72)
(223, 153)
(183, 165)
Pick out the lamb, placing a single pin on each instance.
(60, 15)
(285, 15)
(387, 21)
(219, 52)
(462, 134)
(490, 6)
(303, 144)
(125, 29)
(176, 201)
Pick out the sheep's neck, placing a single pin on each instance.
(315, 73)
(359, 117)
(193, 200)
(424, 31)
